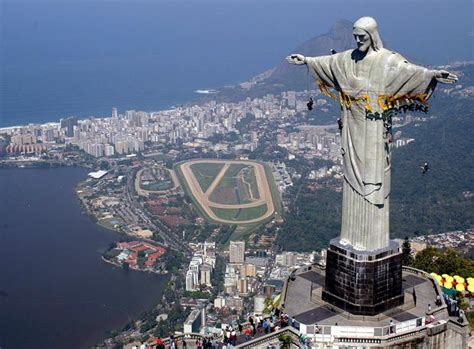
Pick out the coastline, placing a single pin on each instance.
(83, 207)
(73, 245)
(134, 269)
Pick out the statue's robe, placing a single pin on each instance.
(368, 85)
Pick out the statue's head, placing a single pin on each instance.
(366, 34)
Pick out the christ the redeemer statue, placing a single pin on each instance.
(370, 81)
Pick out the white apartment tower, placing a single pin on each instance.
(237, 252)
(189, 281)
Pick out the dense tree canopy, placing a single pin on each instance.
(441, 262)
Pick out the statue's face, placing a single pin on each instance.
(362, 39)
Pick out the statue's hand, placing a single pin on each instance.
(296, 58)
(445, 77)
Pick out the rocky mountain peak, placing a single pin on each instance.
(339, 38)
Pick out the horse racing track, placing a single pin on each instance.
(229, 191)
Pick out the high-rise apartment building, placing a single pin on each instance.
(68, 124)
(189, 281)
(237, 252)
(242, 286)
(206, 275)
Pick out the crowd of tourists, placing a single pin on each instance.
(232, 335)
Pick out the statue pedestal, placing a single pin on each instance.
(363, 282)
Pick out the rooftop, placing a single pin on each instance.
(98, 174)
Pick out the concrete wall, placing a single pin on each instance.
(451, 335)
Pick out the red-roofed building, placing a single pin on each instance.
(122, 245)
(150, 263)
(140, 248)
(133, 248)
(155, 255)
(128, 245)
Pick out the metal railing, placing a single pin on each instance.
(180, 337)
(272, 337)
(364, 332)
(440, 309)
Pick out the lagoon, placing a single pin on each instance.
(55, 291)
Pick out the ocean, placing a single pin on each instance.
(75, 57)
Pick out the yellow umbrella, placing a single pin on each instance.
(438, 277)
(460, 287)
(449, 279)
(448, 285)
(445, 276)
(433, 274)
(276, 300)
(441, 283)
(470, 288)
(470, 280)
(460, 280)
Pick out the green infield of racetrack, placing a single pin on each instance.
(205, 173)
(158, 186)
(231, 181)
(243, 231)
(188, 192)
(253, 184)
(271, 182)
(240, 214)
(273, 188)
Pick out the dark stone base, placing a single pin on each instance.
(363, 282)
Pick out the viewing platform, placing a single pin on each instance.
(423, 319)
(423, 316)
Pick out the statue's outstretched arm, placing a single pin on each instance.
(320, 67)
(445, 77)
(296, 58)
